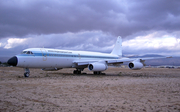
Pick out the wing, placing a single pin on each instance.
(85, 63)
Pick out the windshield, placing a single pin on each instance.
(27, 52)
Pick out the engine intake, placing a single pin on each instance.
(97, 67)
(135, 65)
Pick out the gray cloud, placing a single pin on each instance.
(86, 24)
(124, 17)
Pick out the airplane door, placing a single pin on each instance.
(44, 54)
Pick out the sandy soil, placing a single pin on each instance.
(121, 89)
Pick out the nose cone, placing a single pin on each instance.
(13, 61)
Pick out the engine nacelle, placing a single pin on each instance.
(97, 67)
(135, 65)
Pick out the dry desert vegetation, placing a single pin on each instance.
(119, 89)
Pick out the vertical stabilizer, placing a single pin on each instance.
(118, 47)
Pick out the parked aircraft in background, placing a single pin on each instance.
(55, 59)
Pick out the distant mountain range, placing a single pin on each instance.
(4, 59)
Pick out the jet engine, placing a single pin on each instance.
(135, 65)
(97, 67)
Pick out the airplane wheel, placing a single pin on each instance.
(97, 72)
(79, 72)
(26, 74)
(76, 72)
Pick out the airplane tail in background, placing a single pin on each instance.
(118, 47)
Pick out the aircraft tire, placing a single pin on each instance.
(97, 72)
(26, 74)
(76, 72)
(79, 72)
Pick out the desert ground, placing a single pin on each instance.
(119, 89)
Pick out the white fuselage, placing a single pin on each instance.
(55, 58)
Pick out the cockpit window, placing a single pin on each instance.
(27, 52)
(24, 52)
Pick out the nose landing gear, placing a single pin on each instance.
(27, 72)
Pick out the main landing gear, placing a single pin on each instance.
(27, 72)
(97, 72)
(77, 71)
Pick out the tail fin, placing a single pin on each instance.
(118, 47)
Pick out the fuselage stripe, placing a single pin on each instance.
(68, 55)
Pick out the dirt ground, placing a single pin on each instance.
(119, 89)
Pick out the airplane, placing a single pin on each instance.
(55, 59)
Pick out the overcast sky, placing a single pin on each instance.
(146, 26)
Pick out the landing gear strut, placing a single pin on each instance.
(27, 72)
(77, 71)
